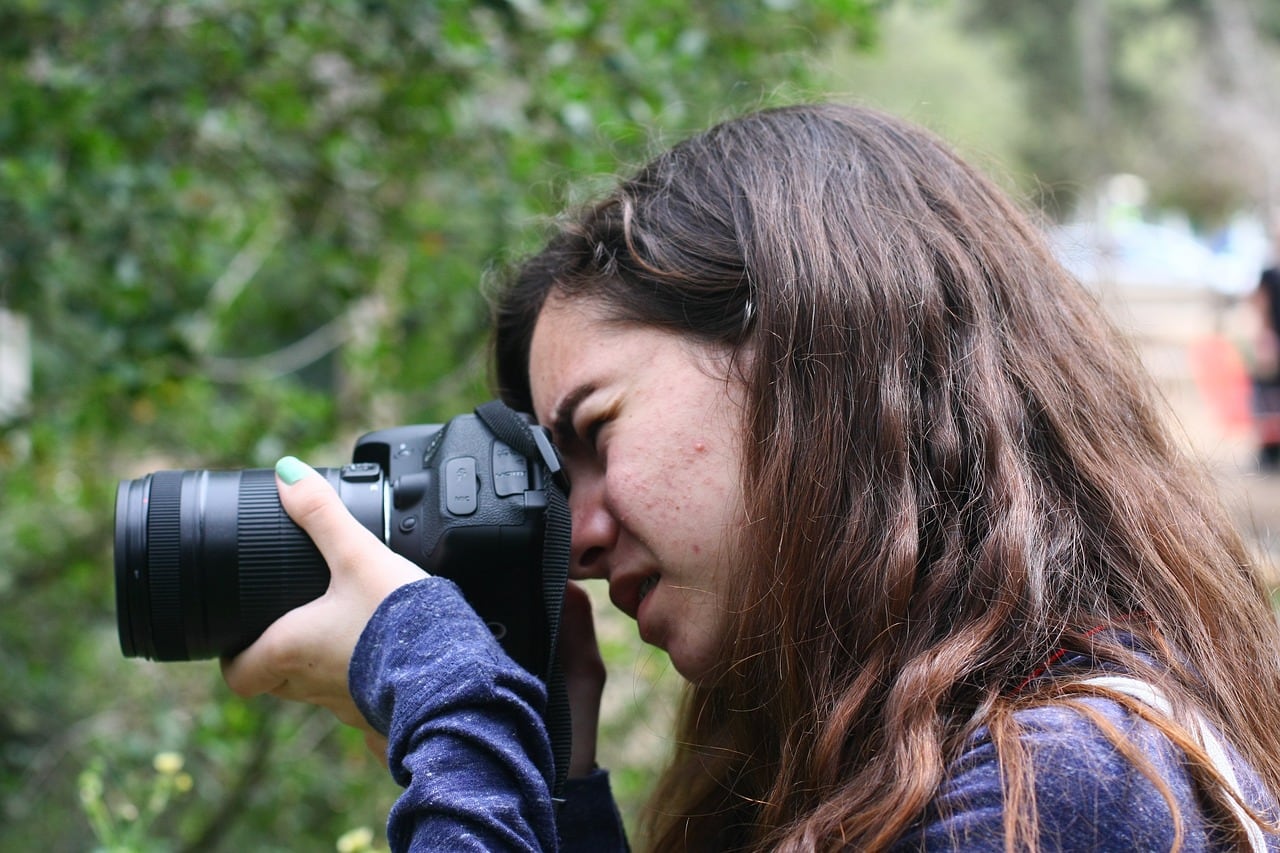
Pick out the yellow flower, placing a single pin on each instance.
(167, 763)
(356, 840)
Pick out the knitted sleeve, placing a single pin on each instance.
(465, 734)
(463, 722)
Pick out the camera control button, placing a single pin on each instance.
(460, 485)
(361, 472)
(510, 472)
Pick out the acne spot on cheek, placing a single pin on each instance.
(697, 549)
(699, 447)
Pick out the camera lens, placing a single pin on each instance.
(206, 560)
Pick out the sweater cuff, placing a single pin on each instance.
(589, 819)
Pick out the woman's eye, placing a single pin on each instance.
(591, 435)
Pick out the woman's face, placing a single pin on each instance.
(650, 428)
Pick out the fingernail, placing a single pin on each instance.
(291, 469)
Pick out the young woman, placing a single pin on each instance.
(848, 443)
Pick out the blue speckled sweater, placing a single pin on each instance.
(468, 745)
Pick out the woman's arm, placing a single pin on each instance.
(396, 653)
(464, 726)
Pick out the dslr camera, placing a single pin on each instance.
(206, 560)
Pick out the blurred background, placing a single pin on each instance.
(234, 229)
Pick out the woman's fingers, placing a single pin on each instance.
(315, 507)
(584, 673)
(263, 667)
(304, 655)
(348, 547)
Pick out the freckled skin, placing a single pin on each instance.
(659, 492)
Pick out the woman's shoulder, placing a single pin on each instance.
(1089, 792)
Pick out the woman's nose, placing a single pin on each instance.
(594, 530)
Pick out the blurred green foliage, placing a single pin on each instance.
(242, 228)
(1180, 92)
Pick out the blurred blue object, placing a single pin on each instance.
(1143, 254)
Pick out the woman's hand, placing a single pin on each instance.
(584, 675)
(304, 655)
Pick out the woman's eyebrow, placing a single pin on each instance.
(562, 417)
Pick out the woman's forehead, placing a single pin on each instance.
(567, 340)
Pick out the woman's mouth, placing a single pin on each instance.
(644, 618)
(647, 587)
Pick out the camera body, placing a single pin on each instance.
(466, 506)
(206, 560)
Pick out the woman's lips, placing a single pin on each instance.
(630, 592)
(645, 615)
(647, 586)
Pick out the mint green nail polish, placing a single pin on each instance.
(291, 469)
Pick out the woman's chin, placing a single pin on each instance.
(697, 669)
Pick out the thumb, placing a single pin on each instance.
(314, 505)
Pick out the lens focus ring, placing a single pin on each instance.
(164, 538)
(279, 567)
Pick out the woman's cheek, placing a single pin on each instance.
(651, 502)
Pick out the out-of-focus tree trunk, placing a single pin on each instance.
(1095, 78)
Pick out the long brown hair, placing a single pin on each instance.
(954, 467)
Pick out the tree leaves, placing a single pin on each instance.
(240, 229)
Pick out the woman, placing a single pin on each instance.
(849, 445)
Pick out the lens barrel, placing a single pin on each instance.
(206, 560)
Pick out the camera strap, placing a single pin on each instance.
(531, 441)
